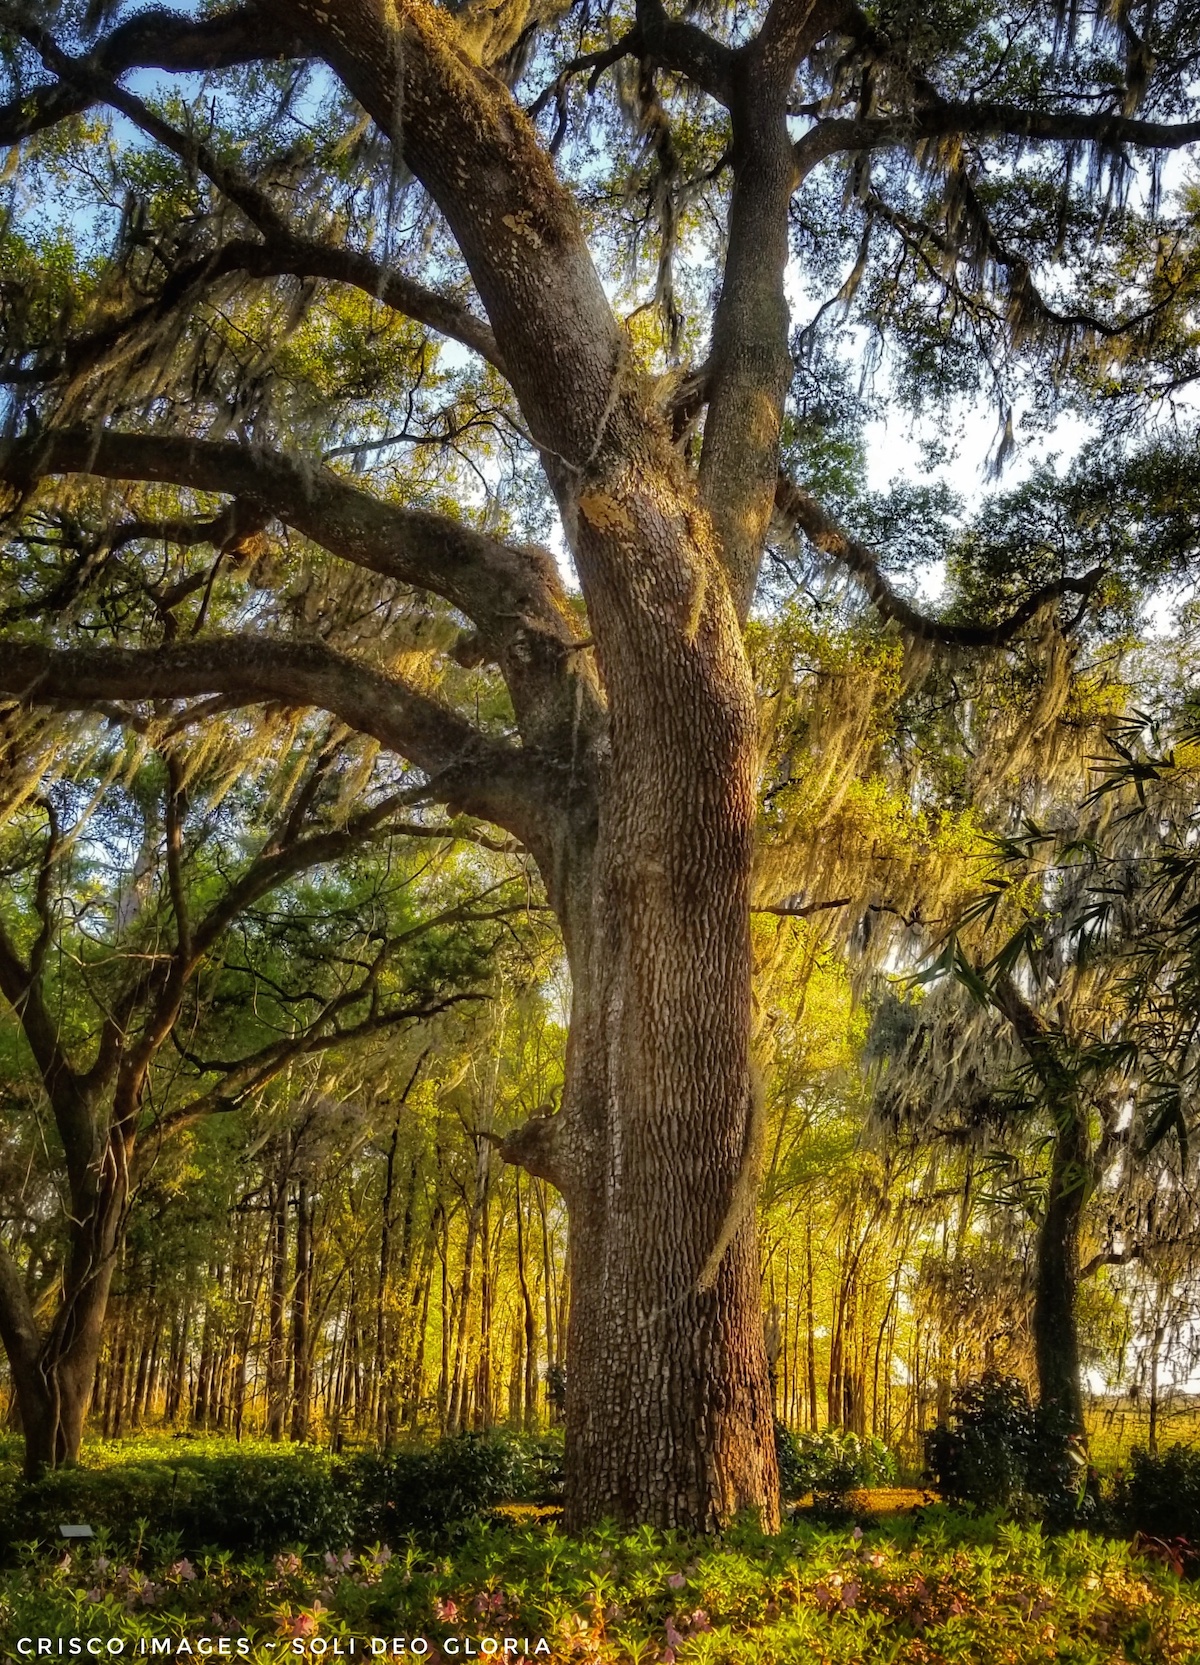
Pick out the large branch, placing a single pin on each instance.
(153, 40)
(497, 782)
(283, 253)
(297, 256)
(518, 228)
(514, 596)
(687, 50)
(22, 990)
(944, 119)
(749, 366)
(286, 250)
(799, 510)
(18, 1325)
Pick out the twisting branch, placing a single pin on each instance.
(284, 254)
(627, 45)
(514, 596)
(687, 50)
(943, 119)
(1027, 306)
(285, 251)
(804, 910)
(491, 779)
(153, 40)
(799, 510)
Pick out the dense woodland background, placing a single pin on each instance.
(325, 1244)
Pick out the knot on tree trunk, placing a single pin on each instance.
(535, 1146)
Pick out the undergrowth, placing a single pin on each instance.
(927, 1590)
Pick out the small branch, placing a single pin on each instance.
(1110, 1257)
(471, 770)
(803, 910)
(798, 509)
(153, 40)
(687, 50)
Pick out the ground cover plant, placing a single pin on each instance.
(933, 1588)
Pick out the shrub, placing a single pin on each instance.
(789, 1461)
(1160, 1495)
(830, 1465)
(1000, 1452)
(260, 1501)
(462, 1478)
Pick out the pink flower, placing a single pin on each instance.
(673, 1636)
(287, 1566)
(849, 1595)
(700, 1620)
(447, 1611)
(677, 1581)
(183, 1569)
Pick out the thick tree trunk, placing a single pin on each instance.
(668, 1398)
(657, 1148)
(53, 1373)
(1055, 1318)
(53, 1398)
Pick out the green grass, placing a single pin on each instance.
(1114, 1430)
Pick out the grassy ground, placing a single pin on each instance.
(1114, 1430)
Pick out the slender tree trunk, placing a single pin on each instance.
(301, 1314)
(277, 1303)
(177, 1381)
(1055, 1318)
(415, 1382)
(530, 1333)
(1152, 1428)
(455, 1415)
(810, 1331)
(146, 1350)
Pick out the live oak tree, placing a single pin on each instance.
(244, 270)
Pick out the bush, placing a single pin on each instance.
(260, 1501)
(1000, 1452)
(1160, 1495)
(830, 1465)
(431, 1491)
(264, 1500)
